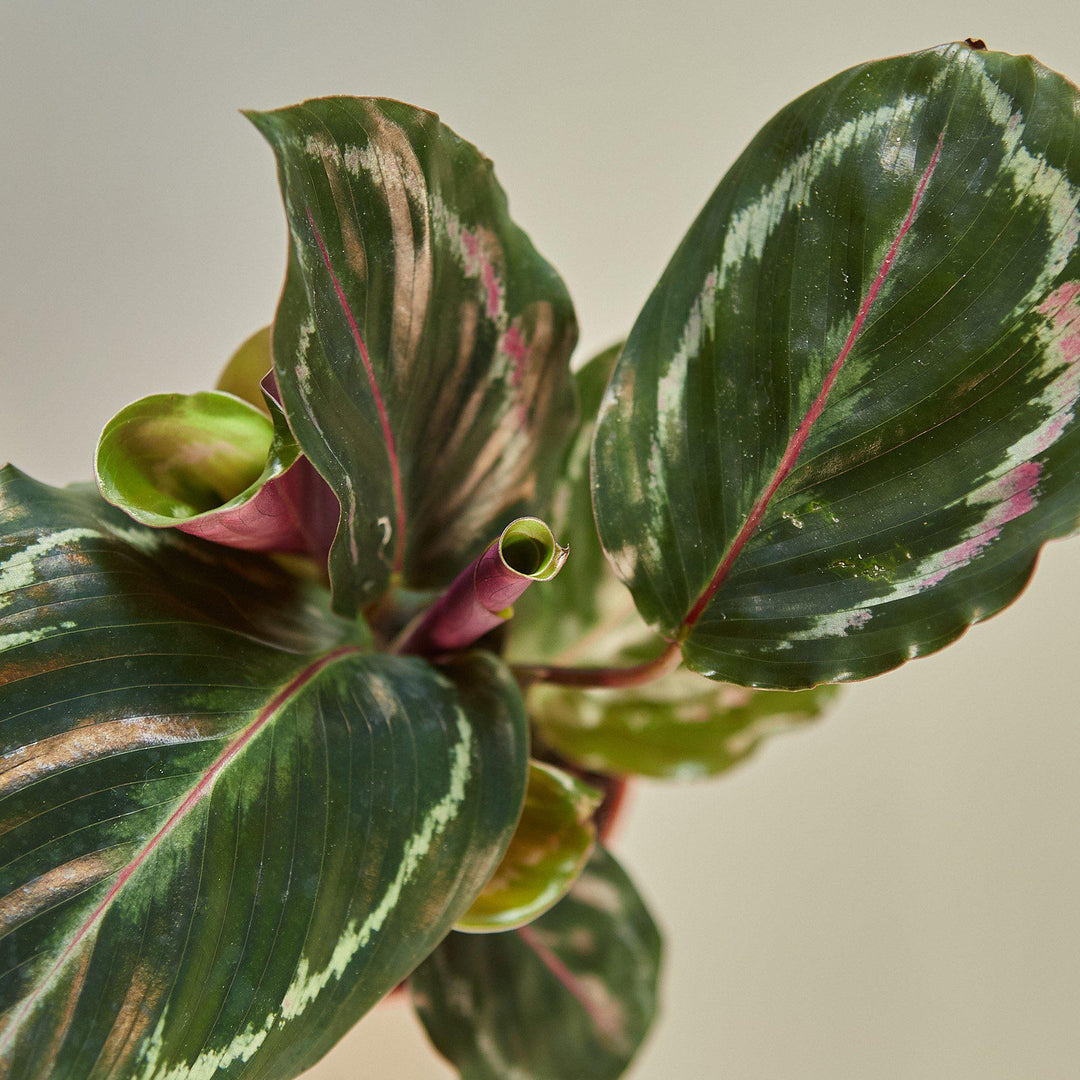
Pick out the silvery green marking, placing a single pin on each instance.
(240, 768)
(873, 314)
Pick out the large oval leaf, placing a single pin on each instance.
(681, 727)
(571, 995)
(226, 829)
(421, 343)
(844, 422)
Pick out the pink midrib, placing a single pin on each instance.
(193, 796)
(802, 432)
(568, 979)
(380, 406)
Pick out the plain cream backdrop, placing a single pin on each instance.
(892, 894)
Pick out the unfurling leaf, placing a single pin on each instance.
(482, 596)
(586, 594)
(228, 827)
(571, 995)
(213, 465)
(844, 422)
(550, 846)
(421, 343)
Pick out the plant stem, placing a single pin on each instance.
(603, 677)
(481, 596)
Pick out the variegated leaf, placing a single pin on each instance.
(421, 343)
(844, 422)
(571, 995)
(682, 726)
(226, 827)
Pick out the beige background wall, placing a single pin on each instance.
(890, 895)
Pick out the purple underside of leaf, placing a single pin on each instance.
(474, 604)
(802, 432)
(294, 513)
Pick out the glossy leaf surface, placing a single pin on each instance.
(843, 423)
(421, 343)
(571, 995)
(681, 727)
(226, 828)
(551, 844)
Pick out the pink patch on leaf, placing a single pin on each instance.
(1059, 305)
(494, 289)
(1009, 497)
(513, 345)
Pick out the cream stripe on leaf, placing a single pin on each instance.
(421, 343)
(844, 423)
(228, 827)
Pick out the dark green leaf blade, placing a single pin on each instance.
(571, 995)
(226, 828)
(843, 424)
(421, 343)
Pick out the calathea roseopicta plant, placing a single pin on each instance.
(272, 741)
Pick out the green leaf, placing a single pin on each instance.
(214, 465)
(571, 995)
(551, 844)
(586, 594)
(844, 422)
(226, 828)
(246, 369)
(421, 343)
(680, 728)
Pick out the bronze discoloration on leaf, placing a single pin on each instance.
(95, 739)
(59, 884)
(136, 1015)
(65, 1014)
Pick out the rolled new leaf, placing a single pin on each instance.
(483, 594)
(552, 842)
(579, 604)
(215, 466)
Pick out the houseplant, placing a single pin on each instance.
(241, 805)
